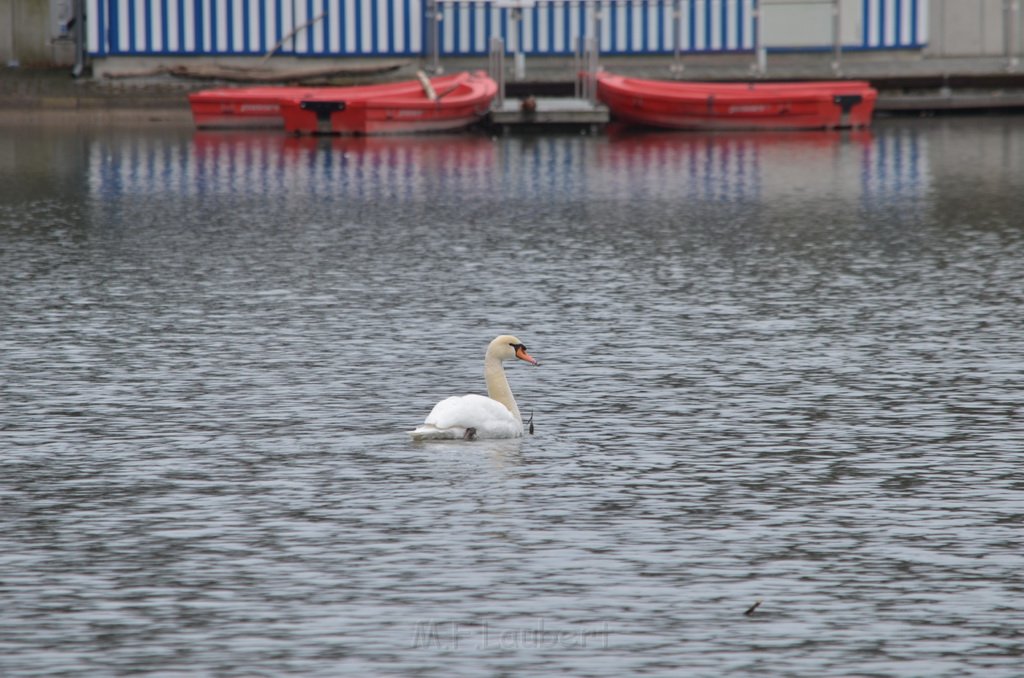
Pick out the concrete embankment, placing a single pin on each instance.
(906, 86)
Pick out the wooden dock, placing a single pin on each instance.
(531, 111)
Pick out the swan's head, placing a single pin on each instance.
(507, 347)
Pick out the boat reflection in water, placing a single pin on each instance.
(729, 166)
(357, 166)
(622, 165)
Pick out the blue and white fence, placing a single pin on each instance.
(623, 26)
(369, 28)
(894, 23)
(255, 27)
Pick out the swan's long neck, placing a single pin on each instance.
(497, 385)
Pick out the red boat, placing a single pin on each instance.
(238, 107)
(405, 102)
(726, 106)
(445, 103)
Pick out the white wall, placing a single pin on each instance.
(972, 27)
(798, 23)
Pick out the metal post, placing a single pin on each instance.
(497, 68)
(593, 47)
(1011, 9)
(837, 37)
(81, 49)
(677, 66)
(12, 7)
(591, 51)
(942, 29)
(761, 54)
(585, 59)
(515, 35)
(434, 35)
(577, 68)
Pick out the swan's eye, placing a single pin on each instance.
(518, 347)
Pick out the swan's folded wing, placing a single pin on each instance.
(452, 417)
(468, 411)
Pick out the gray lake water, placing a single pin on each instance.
(783, 368)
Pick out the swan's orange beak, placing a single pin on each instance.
(523, 355)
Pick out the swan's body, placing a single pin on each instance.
(475, 416)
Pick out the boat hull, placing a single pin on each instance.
(461, 100)
(242, 107)
(734, 106)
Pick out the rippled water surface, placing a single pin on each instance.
(777, 368)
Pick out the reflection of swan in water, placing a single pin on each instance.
(475, 416)
(461, 461)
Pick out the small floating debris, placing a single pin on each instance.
(750, 610)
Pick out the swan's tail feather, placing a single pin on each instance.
(429, 432)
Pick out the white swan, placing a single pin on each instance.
(476, 416)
